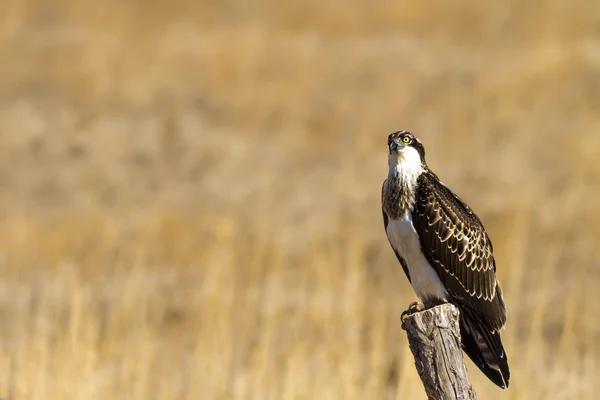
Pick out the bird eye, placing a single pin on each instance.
(406, 139)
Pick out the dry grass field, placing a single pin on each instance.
(189, 192)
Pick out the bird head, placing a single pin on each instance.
(405, 150)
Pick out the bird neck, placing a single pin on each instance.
(406, 173)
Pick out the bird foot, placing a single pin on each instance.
(414, 307)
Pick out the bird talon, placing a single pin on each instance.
(414, 307)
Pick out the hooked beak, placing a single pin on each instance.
(394, 146)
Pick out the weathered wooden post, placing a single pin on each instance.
(434, 339)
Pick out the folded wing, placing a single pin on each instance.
(457, 246)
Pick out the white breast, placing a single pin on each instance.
(404, 239)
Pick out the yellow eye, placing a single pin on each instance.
(406, 139)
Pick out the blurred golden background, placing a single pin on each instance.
(190, 192)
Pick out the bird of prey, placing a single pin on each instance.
(445, 252)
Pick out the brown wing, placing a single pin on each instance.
(455, 243)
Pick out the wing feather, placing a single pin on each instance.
(455, 243)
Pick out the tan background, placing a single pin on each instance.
(189, 191)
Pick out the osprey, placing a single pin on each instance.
(445, 252)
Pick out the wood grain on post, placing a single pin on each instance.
(434, 339)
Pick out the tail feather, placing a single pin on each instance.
(484, 348)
